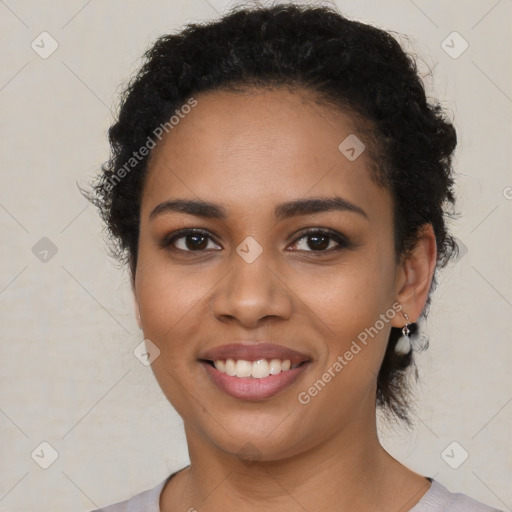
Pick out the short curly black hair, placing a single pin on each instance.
(358, 67)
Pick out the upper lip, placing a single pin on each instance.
(253, 351)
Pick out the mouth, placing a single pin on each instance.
(253, 371)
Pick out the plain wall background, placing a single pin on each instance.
(67, 369)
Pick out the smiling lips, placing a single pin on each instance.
(253, 371)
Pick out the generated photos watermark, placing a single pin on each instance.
(143, 151)
(304, 397)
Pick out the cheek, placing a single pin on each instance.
(172, 307)
(348, 311)
(171, 298)
(347, 298)
(352, 307)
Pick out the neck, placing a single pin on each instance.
(349, 471)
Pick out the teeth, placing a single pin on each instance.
(275, 366)
(260, 369)
(230, 367)
(256, 369)
(286, 365)
(243, 368)
(221, 367)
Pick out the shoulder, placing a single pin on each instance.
(439, 499)
(146, 501)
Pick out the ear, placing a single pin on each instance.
(415, 275)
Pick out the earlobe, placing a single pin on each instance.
(417, 273)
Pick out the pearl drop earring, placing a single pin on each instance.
(403, 345)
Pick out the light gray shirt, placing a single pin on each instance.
(436, 499)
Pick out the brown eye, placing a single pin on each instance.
(193, 242)
(189, 240)
(319, 240)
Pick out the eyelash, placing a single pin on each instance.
(342, 241)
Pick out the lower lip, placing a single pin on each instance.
(249, 388)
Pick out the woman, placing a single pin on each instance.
(278, 187)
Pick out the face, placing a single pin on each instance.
(262, 274)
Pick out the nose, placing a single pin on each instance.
(252, 292)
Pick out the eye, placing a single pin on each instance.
(189, 240)
(321, 240)
(313, 240)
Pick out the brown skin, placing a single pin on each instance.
(248, 153)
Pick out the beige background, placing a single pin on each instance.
(67, 369)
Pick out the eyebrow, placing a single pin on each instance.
(282, 211)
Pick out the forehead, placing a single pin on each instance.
(272, 144)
